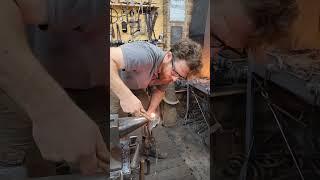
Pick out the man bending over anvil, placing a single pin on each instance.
(138, 66)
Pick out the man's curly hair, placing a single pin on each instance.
(190, 51)
(272, 18)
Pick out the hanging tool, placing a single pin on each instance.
(147, 20)
(113, 19)
(127, 10)
(112, 31)
(131, 22)
(139, 31)
(151, 18)
(118, 34)
(124, 25)
(154, 19)
(140, 11)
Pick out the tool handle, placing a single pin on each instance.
(148, 166)
(141, 173)
(144, 114)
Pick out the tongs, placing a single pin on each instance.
(144, 114)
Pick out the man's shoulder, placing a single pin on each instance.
(133, 47)
(139, 44)
(142, 47)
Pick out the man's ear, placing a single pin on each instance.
(168, 57)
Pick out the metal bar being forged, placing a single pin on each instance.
(129, 124)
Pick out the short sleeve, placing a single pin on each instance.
(136, 57)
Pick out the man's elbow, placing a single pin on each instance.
(116, 57)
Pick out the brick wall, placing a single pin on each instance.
(167, 24)
(205, 72)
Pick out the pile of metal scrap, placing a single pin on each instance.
(304, 64)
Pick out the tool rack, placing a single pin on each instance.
(128, 22)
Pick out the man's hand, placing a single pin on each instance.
(156, 98)
(132, 105)
(151, 113)
(76, 140)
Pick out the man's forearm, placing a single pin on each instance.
(116, 84)
(32, 88)
(21, 75)
(156, 98)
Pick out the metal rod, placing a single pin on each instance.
(289, 115)
(200, 108)
(249, 110)
(129, 124)
(265, 95)
(245, 164)
(188, 104)
(182, 90)
(134, 162)
(287, 143)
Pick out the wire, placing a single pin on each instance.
(287, 143)
(204, 117)
(266, 97)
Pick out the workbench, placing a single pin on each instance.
(291, 72)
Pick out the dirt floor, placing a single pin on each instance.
(187, 158)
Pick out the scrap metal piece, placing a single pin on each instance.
(134, 162)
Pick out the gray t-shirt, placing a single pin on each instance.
(73, 48)
(142, 61)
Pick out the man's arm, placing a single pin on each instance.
(57, 122)
(116, 83)
(22, 76)
(156, 98)
(128, 101)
